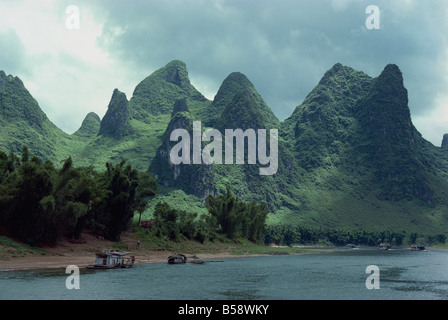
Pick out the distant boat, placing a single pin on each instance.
(197, 261)
(351, 245)
(418, 247)
(177, 259)
(112, 260)
(384, 246)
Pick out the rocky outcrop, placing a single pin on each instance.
(179, 106)
(445, 140)
(116, 120)
(389, 141)
(194, 179)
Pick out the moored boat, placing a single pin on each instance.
(418, 247)
(384, 246)
(112, 260)
(177, 259)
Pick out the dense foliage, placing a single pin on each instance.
(174, 224)
(227, 216)
(306, 235)
(40, 203)
(237, 218)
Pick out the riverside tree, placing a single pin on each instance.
(115, 212)
(40, 204)
(237, 218)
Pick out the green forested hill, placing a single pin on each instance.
(366, 164)
(22, 122)
(349, 155)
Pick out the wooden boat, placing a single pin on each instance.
(384, 246)
(177, 259)
(197, 261)
(418, 247)
(112, 260)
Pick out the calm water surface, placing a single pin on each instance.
(338, 274)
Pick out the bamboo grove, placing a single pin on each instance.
(40, 203)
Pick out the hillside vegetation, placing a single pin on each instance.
(349, 156)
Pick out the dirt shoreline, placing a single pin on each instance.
(61, 262)
(83, 254)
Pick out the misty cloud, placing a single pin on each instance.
(12, 53)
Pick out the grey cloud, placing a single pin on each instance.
(12, 53)
(283, 47)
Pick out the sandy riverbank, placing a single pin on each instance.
(82, 261)
(83, 254)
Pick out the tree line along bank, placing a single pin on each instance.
(40, 203)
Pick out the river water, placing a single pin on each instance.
(337, 274)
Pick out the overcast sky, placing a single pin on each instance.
(284, 47)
